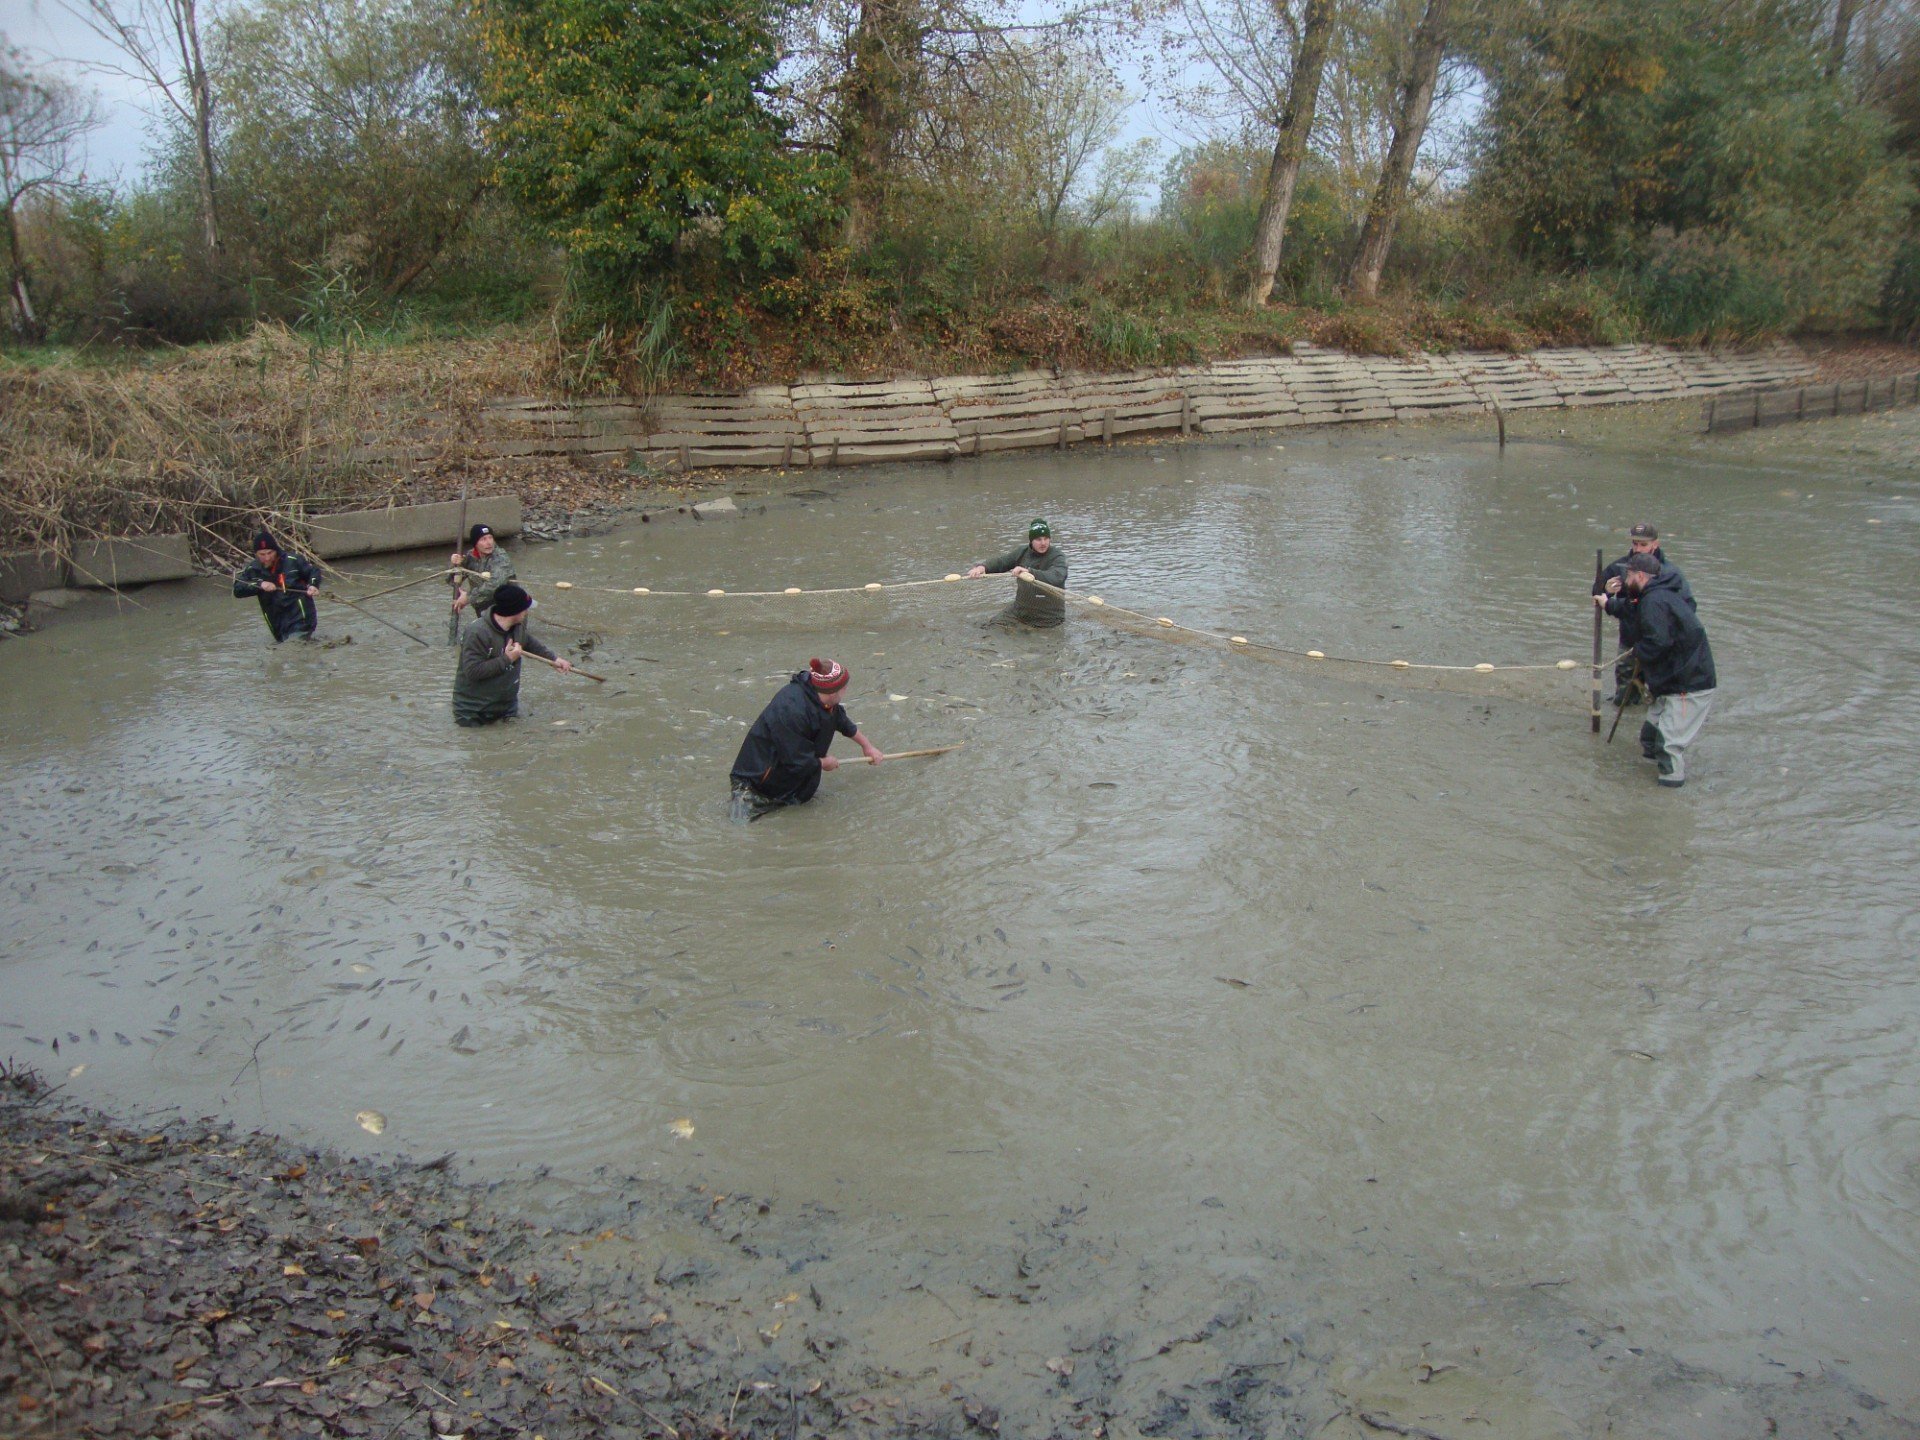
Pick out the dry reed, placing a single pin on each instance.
(215, 440)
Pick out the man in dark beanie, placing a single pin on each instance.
(1642, 539)
(486, 687)
(785, 753)
(285, 586)
(1039, 559)
(1676, 664)
(490, 569)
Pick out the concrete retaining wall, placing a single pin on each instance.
(1810, 402)
(141, 560)
(24, 571)
(409, 527)
(916, 419)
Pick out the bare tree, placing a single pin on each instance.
(42, 119)
(160, 41)
(1837, 46)
(1290, 148)
(1409, 129)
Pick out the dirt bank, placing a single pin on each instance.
(187, 1279)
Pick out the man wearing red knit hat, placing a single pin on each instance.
(784, 754)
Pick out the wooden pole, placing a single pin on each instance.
(576, 670)
(377, 619)
(405, 585)
(907, 754)
(1621, 708)
(1599, 624)
(460, 549)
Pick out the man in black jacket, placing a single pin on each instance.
(1642, 539)
(1676, 664)
(1039, 559)
(785, 753)
(285, 585)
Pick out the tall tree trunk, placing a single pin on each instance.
(1842, 23)
(200, 90)
(876, 104)
(1290, 148)
(1409, 129)
(25, 323)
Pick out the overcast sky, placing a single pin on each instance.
(56, 42)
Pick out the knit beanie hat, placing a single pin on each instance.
(265, 541)
(827, 676)
(511, 599)
(1039, 528)
(473, 535)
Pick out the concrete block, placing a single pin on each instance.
(716, 509)
(24, 571)
(138, 560)
(411, 527)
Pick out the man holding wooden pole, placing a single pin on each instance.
(486, 687)
(285, 585)
(1642, 539)
(785, 753)
(487, 567)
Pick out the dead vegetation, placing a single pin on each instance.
(216, 439)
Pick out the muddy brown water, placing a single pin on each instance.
(1414, 1010)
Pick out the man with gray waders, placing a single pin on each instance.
(491, 568)
(1676, 664)
(1642, 539)
(285, 585)
(486, 687)
(785, 753)
(1039, 559)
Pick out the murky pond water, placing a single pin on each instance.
(1423, 998)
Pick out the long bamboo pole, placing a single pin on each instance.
(907, 754)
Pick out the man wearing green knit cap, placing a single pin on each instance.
(1039, 559)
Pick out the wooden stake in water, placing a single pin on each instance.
(1599, 620)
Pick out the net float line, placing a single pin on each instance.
(1078, 598)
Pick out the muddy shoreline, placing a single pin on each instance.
(189, 1278)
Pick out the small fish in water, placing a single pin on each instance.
(683, 1128)
(372, 1121)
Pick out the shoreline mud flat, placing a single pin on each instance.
(192, 1279)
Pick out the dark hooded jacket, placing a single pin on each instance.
(780, 758)
(487, 685)
(1671, 647)
(1622, 606)
(1030, 604)
(286, 614)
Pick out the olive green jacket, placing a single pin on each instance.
(487, 685)
(1032, 605)
(499, 569)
